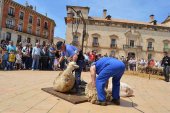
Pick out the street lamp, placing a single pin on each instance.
(70, 18)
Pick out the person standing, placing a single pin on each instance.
(36, 56)
(105, 68)
(166, 66)
(52, 52)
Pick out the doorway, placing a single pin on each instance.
(131, 55)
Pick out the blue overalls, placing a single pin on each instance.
(105, 68)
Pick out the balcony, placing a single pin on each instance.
(166, 49)
(75, 43)
(131, 47)
(150, 48)
(45, 27)
(95, 44)
(10, 26)
(11, 14)
(114, 46)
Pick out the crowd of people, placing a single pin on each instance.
(39, 57)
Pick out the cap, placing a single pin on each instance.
(59, 45)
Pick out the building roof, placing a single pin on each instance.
(29, 9)
(166, 20)
(128, 21)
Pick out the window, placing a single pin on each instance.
(28, 40)
(75, 39)
(11, 11)
(20, 27)
(149, 56)
(21, 15)
(30, 19)
(10, 23)
(38, 22)
(113, 42)
(165, 45)
(46, 25)
(45, 33)
(95, 40)
(132, 43)
(38, 32)
(19, 38)
(8, 36)
(150, 45)
(29, 30)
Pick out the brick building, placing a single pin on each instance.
(120, 37)
(23, 24)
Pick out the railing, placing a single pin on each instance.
(10, 26)
(75, 43)
(45, 27)
(11, 14)
(113, 45)
(150, 48)
(95, 44)
(131, 47)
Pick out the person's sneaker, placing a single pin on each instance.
(116, 101)
(101, 103)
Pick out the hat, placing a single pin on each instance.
(59, 45)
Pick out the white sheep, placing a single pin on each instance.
(91, 93)
(64, 82)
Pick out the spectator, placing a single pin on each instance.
(52, 52)
(166, 66)
(44, 58)
(5, 60)
(36, 56)
(11, 60)
(19, 60)
(11, 47)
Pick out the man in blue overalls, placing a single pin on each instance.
(105, 68)
(72, 54)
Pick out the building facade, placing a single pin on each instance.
(56, 39)
(24, 24)
(120, 37)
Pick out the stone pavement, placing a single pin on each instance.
(20, 92)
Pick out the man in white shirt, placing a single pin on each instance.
(36, 56)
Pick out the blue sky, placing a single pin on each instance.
(138, 10)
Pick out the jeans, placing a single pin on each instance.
(35, 63)
(5, 64)
(11, 65)
(51, 63)
(166, 71)
(78, 71)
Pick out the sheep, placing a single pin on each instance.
(64, 82)
(91, 93)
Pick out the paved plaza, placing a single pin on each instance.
(20, 92)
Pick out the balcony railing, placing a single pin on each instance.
(113, 45)
(11, 14)
(132, 47)
(150, 48)
(166, 49)
(75, 43)
(45, 27)
(95, 44)
(10, 26)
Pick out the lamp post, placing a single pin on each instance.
(79, 14)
